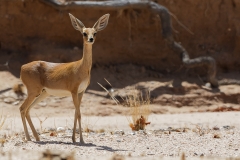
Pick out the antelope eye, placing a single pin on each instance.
(94, 34)
(85, 34)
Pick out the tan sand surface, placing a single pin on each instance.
(168, 136)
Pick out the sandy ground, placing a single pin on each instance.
(184, 119)
(169, 135)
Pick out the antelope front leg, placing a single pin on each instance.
(74, 127)
(77, 100)
(79, 116)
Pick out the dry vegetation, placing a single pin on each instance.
(138, 103)
(139, 109)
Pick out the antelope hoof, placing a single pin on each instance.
(73, 139)
(82, 142)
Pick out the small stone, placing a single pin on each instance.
(18, 144)
(61, 129)
(68, 131)
(216, 128)
(132, 133)
(150, 153)
(178, 104)
(167, 132)
(43, 104)
(111, 90)
(120, 132)
(142, 132)
(178, 130)
(169, 128)
(216, 136)
(102, 134)
(15, 103)
(9, 100)
(208, 85)
(228, 127)
(50, 129)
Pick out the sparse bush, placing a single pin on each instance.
(139, 109)
(138, 103)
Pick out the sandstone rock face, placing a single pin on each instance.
(31, 30)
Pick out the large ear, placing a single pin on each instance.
(77, 24)
(101, 23)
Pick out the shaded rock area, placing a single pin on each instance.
(31, 30)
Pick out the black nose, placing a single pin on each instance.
(91, 39)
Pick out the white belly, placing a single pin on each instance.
(65, 93)
(58, 92)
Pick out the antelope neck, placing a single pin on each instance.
(87, 55)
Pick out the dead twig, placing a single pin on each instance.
(41, 121)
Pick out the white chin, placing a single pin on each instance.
(90, 42)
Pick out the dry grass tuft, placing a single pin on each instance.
(3, 137)
(201, 131)
(88, 126)
(87, 130)
(2, 120)
(138, 102)
(41, 121)
(3, 140)
(139, 109)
